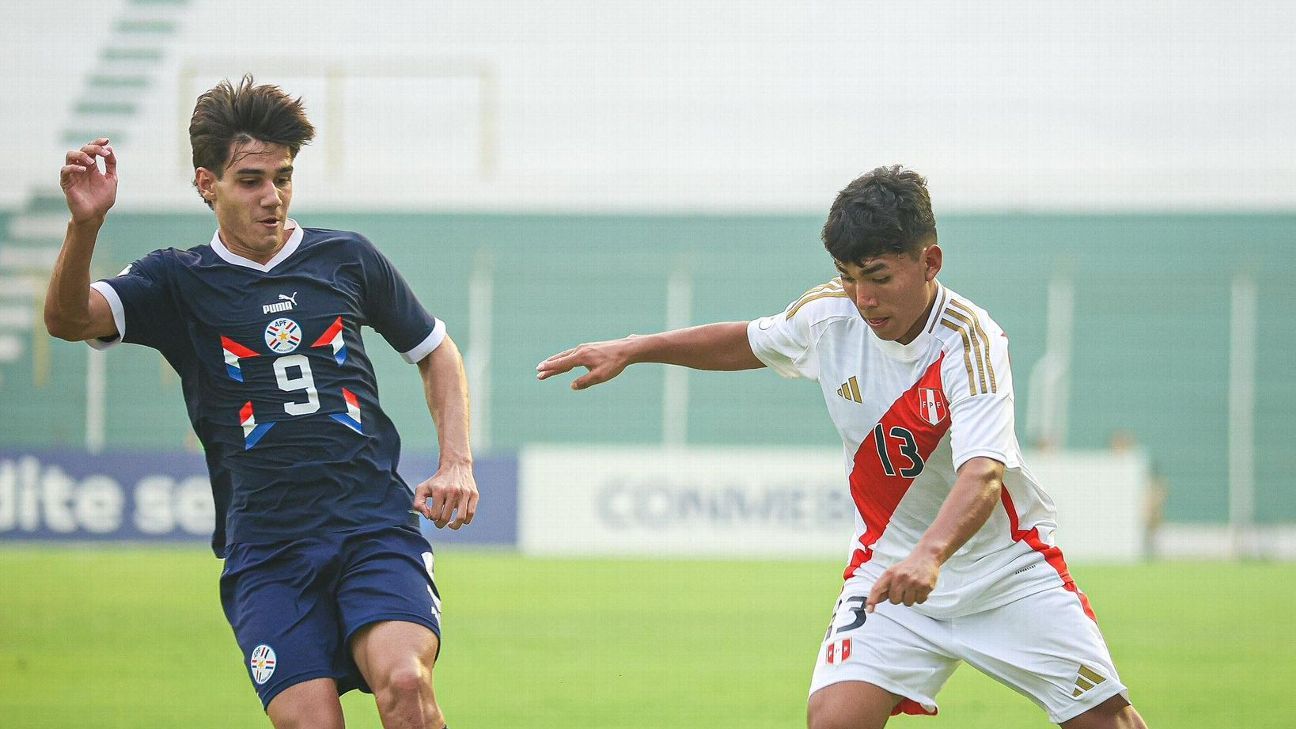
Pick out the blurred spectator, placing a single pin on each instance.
(1155, 492)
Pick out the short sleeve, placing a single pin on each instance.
(393, 310)
(978, 384)
(142, 304)
(783, 342)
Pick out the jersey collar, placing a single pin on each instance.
(290, 246)
(918, 347)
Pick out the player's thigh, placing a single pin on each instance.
(1045, 647)
(394, 652)
(850, 705)
(278, 601)
(894, 649)
(309, 705)
(388, 575)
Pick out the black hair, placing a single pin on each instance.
(226, 114)
(887, 210)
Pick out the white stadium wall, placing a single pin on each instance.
(763, 502)
(769, 105)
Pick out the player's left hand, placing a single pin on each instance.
(449, 498)
(908, 581)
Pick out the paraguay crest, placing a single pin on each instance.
(931, 405)
(262, 663)
(282, 335)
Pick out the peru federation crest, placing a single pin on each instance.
(282, 335)
(931, 405)
(262, 663)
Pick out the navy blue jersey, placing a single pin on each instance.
(275, 376)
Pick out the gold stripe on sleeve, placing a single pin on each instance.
(967, 331)
(833, 285)
(967, 358)
(807, 299)
(985, 341)
(940, 306)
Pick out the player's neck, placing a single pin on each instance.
(261, 255)
(932, 287)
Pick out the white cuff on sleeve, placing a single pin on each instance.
(1000, 456)
(118, 313)
(429, 343)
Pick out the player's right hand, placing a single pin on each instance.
(604, 360)
(89, 191)
(450, 497)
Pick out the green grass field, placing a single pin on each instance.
(134, 637)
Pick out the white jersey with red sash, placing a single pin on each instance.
(909, 416)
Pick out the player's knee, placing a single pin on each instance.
(836, 720)
(308, 716)
(828, 714)
(408, 681)
(1114, 713)
(302, 721)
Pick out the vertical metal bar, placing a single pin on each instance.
(1061, 308)
(1241, 417)
(185, 79)
(333, 113)
(40, 345)
(96, 396)
(478, 356)
(488, 106)
(675, 393)
(1049, 382)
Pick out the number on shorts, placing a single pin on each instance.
(861, 615)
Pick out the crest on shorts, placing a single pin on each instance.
(282, 335)
(837, 651)
(931, 405)
(262, 663)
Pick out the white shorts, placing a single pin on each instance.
(1043, 646)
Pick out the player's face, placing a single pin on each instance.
(251, 198)
(894, 293)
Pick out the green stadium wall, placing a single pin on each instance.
(1150, 347)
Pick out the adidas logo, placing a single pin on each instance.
(850, 390)
(285, 303)
(1087, 679)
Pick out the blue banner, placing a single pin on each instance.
(166, 497)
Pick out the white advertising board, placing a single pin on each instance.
(686, 501)
(1101, 502)
(771, 502)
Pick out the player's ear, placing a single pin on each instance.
(205, 181)
(933, 257)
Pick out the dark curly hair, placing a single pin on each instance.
(225, 115)
(884, 211)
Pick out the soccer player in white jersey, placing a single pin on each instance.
(953, 558)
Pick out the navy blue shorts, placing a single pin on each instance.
(294, 606)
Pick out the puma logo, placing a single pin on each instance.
(286, 303)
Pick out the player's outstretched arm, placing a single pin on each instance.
(973, 498)
(449, 498)
(74, 311)
(722, 346)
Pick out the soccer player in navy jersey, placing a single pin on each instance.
(328, 582)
